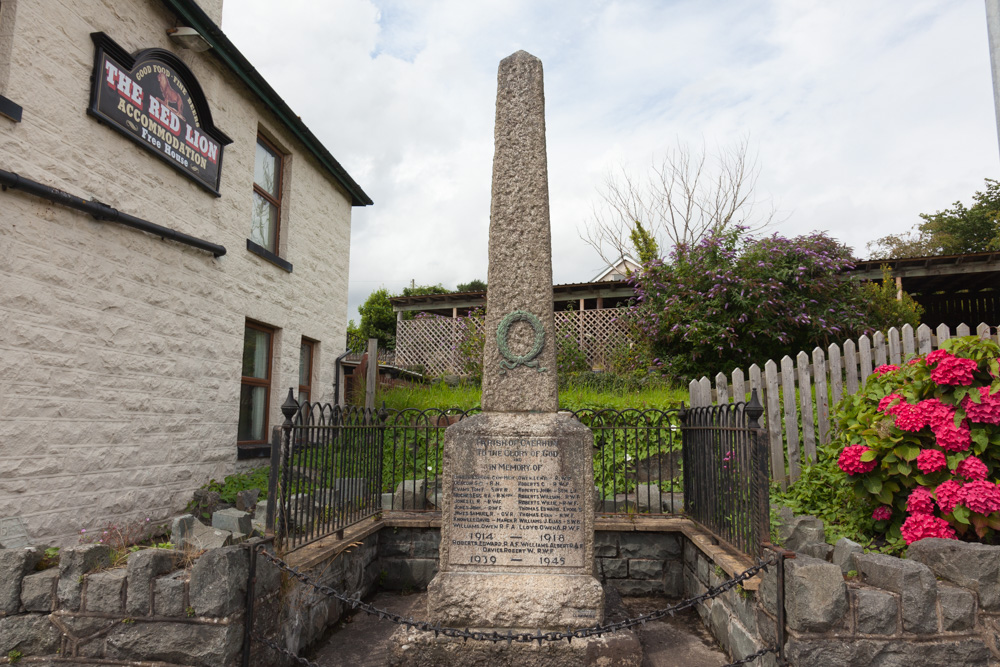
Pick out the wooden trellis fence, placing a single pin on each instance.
(434, 342)
(796, 423)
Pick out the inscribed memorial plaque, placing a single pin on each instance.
(516, 508)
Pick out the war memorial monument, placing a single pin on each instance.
(517, 533)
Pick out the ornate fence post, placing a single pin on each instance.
(686, 460)
(289, 409)
(762, 526)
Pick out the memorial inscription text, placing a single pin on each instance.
(516, 507)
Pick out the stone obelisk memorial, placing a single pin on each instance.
(517, 533)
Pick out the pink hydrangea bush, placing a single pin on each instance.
(922, 442)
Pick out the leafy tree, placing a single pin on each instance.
(733, 300)
(953, 231)
(471, 286)
(355, 343)
(421, 290)
(377, 320)
(644, 244)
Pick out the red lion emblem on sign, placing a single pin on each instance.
(171, 98)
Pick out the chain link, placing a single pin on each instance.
(753, 656)
(526, 637)
(280, 649)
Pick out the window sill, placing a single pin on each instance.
(266, 254)
(253, 451)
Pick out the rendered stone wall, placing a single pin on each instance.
(120, 353)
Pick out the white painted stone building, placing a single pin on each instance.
(134, 368)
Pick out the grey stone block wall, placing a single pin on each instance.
(153, 610)
(640, 563)
(407, 558)
(736, 618)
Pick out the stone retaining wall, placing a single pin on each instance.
(153, 609)
(939, 606)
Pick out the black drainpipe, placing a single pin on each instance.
(104, 212)
(336, 378)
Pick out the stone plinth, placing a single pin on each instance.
(517, 529)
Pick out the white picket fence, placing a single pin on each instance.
(822, 378)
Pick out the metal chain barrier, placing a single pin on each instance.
(523, 637)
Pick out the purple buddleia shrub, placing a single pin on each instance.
(733, 300)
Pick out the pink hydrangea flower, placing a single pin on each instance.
(920, 501)
(851, 463)
(972, 469)
(953, 370)
(951, 438)
(948, 495)
(931, 460)
(987, 411)
(936, 356)
(914, 360)
(981, 496)
(883, 405)
(910, 417)
(918, 526)
(885, 368)
(882, 513)
(935, 412)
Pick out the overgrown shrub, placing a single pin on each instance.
(733, 300)
(922, 443)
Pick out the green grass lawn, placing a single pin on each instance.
(576, 396)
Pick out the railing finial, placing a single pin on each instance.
(290, 406)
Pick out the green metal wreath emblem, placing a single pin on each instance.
(510, 360)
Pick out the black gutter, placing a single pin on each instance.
(104, 212)
(195, 17)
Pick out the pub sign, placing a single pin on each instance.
(154, 99)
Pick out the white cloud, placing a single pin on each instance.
(864, 114)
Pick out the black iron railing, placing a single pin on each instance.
(337, 466)
(726, 474)
(327, 471)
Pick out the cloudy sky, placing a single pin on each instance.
(862, 114)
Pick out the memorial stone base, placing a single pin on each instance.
(412, 648)
(517, 538)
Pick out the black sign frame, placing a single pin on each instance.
(179, 131)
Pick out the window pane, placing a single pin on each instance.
(256, 345)
(265, 170)
(303, 397)
(264, 222)
(305, 364)
(253, 408)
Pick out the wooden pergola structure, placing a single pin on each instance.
(586, 311)
(953, 289)
(574, 296)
